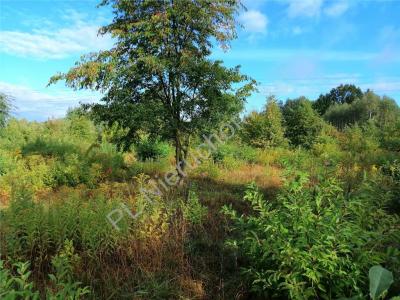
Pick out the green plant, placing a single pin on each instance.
(380, 280)
(193, 210)
(303, 124)
(16, 286)
(147, 148)
(312, 242)
(264, 129)
(64, 285)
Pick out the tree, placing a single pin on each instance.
(383, 111)
(265, 129)
(303, 124)
(346, 93)
(159, 77)
(4, 109)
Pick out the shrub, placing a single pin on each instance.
(147, 148)
(313, 243)
(303, 124)
(149, 167)
(264, 129)
(392, 171)
(239, 152)
(192, 209)
(64, 284)
(17, 286)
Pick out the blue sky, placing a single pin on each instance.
(291, 47)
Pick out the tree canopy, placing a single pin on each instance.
(344, 93)
(265, 129)
(303, 124)
(4, 109)
(159, 77)
(381, 110)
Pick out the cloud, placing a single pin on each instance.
(39, 105)
(284, 54)
(80, 36)
(314, 8)
(389, 40)
(313, 86)
(306, 8)
(336, 9)
(254, 21)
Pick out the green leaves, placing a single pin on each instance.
(380, 280)
(303, 124)
(159, 77)
(311, 242)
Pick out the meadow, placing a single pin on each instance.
(258, 218)
(167, 188)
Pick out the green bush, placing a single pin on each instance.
(16, 286)
(312, 243)
(392, 171)
(240, 152)
(193, 210)
(147, 148)
(19, 286)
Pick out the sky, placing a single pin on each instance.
(291, 47)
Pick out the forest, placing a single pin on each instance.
(168, 189)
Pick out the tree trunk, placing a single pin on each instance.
(181, 154)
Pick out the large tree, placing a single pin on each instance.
(159, 76)
(383, 111)
(344, 93)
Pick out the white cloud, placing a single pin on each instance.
(254, 21)
(284, 54)
(40, 105)
(336, 9)
(306, 8)
(314, 8)
(80, 36)
(314, 86)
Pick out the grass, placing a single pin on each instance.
(52, 193)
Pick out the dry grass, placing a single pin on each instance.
(264, 177)
(191, 260)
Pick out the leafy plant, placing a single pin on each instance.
(192, 209)
(64, 285)
(380, 280)
(311, 243)
(16, 286)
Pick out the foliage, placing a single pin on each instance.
(16, 286)
(380, 280)
(193, 210)
(320, 229)
(146, 148)
(312, 243)
(392, 171)
(19, 286)
(4, 109)
(343, 94)
(235, 151)
(382, 111)
(264, 129)
(159, 77)
(303, 125)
